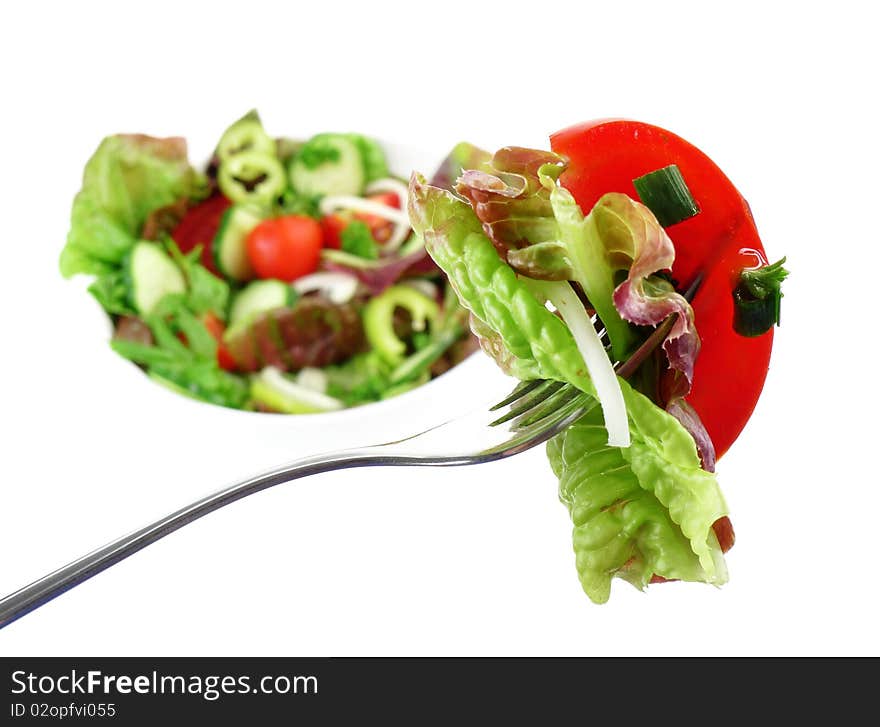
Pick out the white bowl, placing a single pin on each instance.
(275, 438)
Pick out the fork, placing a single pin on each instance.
(531, 414)
(534, 412)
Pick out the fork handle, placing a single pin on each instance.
(32, 596)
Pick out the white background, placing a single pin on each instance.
(417, 561)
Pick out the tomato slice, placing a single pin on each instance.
(605, 156)
(199, 226)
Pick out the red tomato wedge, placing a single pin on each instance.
(605, 156)
(199, 226)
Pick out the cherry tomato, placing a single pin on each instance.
(216, 328)
(380, 227)
(605, 156)
(285, 248)
(332, 227)
(199, 226)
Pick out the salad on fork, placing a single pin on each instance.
(558, 254)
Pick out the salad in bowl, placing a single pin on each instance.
(283, 277)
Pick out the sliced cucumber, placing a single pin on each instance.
(258, 297)
(274, 390)
(328, 164)
(230, 251)
(153, 275)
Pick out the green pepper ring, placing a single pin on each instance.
(243, 169)
(379, 319)
(245, 136)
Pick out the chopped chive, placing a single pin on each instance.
(757, 299)
(666, 194)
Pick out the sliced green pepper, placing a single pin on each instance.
(245, 135)
(379, 319)
(252, 176)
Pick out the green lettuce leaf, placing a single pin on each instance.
(638, 512)
(527, 337)
(205, 292)
(190, 366)
(128, 177)
(112, 291)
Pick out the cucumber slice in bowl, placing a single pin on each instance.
(328, 164)
(259, 297)
(153, 275)
(230, 248)
(277, 392)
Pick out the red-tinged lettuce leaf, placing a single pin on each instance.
(639, 243)
(314, 332)
(690, 420)
(463, 156)
(514, 208)
(377, 275)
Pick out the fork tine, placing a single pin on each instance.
(521, 389)
(579, 404)
(545, 408)
(528, 402)
(545, 429)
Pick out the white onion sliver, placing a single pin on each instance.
(332, 203)
(399, 217)
(274, 378)
(312, 378)
(596, 359)
(338, 287)
(389, 184)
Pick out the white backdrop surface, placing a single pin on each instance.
(434, 562)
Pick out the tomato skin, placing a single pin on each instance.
(199, 227)
(380, 228)
(332, 227)
(285, 248)
(217, 328)
(605, 156)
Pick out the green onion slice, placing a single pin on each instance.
(757, 299)
(666, 194)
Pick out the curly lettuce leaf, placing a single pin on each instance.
(462, 157)
(638, 243)
(639, 512)
(540, 231)
(525, 331)
(128, 177)
(656, 505)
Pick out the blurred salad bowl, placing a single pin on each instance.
(285, 279)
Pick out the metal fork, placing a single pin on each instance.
(531, 414)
